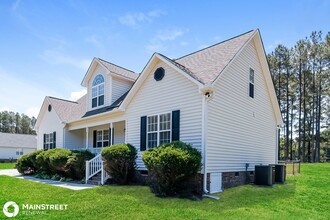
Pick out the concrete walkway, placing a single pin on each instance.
(73, 186)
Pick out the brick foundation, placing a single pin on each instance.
(232, 179)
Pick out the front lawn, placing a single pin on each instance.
(7, 166)
(303, 197)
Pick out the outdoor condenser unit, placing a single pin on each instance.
(263, 175)
(280, 173)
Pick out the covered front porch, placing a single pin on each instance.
(95, 137)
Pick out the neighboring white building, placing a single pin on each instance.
(12, 146)
(219, 99)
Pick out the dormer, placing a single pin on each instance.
(105, 83)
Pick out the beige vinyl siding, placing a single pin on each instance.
(50, 123)
(240, 129)
(75, 139)
(173, 92)
(119, 87)
(107, 87)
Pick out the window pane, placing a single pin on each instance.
(98, 80)
(165, 122)
(251, 90)
(99, 136)
(251, 75)
(50, 137)
(101, 100)
(105, 143)
(99, 144)
(94, 92)
(152, 123)
(106, 135)
(152, 140)
(164, 137)
(101, 89)
(94, 102)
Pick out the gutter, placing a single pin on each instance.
(204, 119)
(207, 92)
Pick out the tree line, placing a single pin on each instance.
(301, 76)
(16, 123)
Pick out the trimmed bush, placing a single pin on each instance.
(42, 161)
(172, 165)
(120, 162)
(58, 158)
(75, 166)
(26, 164)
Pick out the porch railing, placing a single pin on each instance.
(93, 166)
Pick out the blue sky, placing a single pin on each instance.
(46, 46)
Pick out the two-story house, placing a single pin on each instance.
(219, 99)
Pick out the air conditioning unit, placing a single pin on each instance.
(280, 173)
(264, 175)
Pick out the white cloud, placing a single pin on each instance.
(183, 43)
(161, 41)
(169, 34)
(74, 96)
(56, 56)
(134, 20)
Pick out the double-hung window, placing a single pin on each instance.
(98, 91)
(102, 138)
(158, 130)
(19, 151)
(251, 83)
(49, 141)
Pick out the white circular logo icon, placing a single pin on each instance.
(10, 214)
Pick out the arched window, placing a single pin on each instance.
(98, 91)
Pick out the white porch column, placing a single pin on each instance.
(86, 144)
(111, 133)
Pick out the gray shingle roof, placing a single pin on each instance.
(119, 70)
(18, 140)
(208, 63)
(109, 108)
(68, 110)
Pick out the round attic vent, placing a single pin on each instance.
(49, 107)
(159, 74)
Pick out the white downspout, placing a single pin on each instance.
(204, 126)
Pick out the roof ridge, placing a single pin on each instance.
(213, 45)
(116, 65)
(18, 134)
(65, 100)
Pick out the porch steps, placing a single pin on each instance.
(95, 180)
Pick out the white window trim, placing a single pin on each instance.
(48, 142)
(158, 128)
(103, 140)
(97, 87)
(253, 83)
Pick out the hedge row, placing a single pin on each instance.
(61, 162)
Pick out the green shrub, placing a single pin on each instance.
(42, 161)
(172, 165)
(120, 162)
(58, 158)
(24, 165)
(75, 166)
(33, 157)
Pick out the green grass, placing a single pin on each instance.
(303, 197)
(7, 166)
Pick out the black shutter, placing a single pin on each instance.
(94, 138)
(143, 133)
(176, 125)
(54, 139)
(44, 141)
